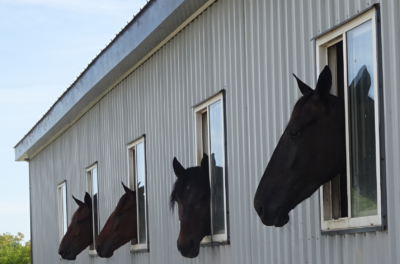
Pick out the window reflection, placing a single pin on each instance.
(64, 205)
(95, 203)
(362, 121)
(141, 192)
(216, 165)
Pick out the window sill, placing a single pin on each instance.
(134, 251)
(352, 230)
(139, 248)
(210, 244)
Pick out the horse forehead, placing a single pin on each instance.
(303, 101)
(82, 212)
(194, 184)
(193, 172)
(189, 191)
(123, 202)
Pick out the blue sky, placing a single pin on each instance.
(44, 46)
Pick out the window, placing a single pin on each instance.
(353, 199)
(92, 189)
(137, 182)
(62, 209)
(210, 139)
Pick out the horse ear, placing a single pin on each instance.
(204, 162)
(304, 88)
(178, 168)
(127, 190)
(324, 83)
(79, 203)
(88, 200)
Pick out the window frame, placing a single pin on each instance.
(130, 159)
(89, 189)
(323, 42)
(60, 205)
(198, 111)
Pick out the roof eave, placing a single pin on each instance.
(156, 21)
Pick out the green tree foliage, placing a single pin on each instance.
(12, 251)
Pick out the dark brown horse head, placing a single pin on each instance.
(310, 152)
(192, 193)
(121, 226)
(80, 231)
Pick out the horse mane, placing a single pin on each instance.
(178, 185)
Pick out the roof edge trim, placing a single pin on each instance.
(56, 130)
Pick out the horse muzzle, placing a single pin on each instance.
(189, 249)
(275, 216)
(66, 254)
(104, 252)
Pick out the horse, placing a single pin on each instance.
(121, 226)
(310, 152)
(79, 234)
(192, 193)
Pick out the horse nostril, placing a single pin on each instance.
(259, 209)
(61, 252)
(69, 252)
(98, 248)
(191, 243)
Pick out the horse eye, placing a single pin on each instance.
(294, 134)
(80, 221)
(118, 214)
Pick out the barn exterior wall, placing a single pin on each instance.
(249, 48)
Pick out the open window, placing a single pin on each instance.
(137, 182)
(62, 209)
(353, 199)
(92, 189)
(210, 139)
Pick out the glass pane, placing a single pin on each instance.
(132, 180)
(205, 133)
(64, 204)
(95, 202)
(141, 192)
(132, 169)
(217, 168)
(361, 120)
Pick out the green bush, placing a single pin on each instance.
(12, 251)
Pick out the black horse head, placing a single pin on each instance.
(310, 152)
(192, 193)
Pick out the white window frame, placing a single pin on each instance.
(198, 111)
(89, 184)
(132, 170)
(61, 216)
(322, 44)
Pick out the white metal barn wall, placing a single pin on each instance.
(250, 48)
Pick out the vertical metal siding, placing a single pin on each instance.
(250, 48)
